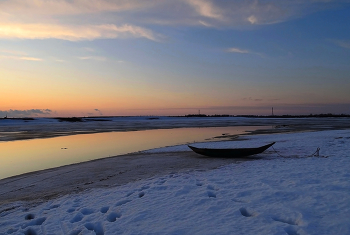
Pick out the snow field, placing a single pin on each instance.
(273, 195)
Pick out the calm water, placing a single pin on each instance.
(24, 156)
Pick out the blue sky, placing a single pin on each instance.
(152, 57)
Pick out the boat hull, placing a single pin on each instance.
(230, 153)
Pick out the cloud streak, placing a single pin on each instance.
(343, 44)
(97, 58)
(30, 58)
(74, 33)
(242, 51)
(77, 20)
(20, 58)
(69, 7)
(206, 8)
(237, 50)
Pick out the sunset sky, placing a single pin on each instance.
(174, 57)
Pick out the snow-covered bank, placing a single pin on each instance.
(292, 195)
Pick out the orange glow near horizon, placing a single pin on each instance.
(74, 91)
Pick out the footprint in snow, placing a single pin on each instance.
(292, 231)
(96, 227)
(30, 231)
(112, 217)
(288, 220)
(247, 212)
(211, 194)
(78, 217)
(87, 211)
(70, 210)
(29, 217)
(104, 209)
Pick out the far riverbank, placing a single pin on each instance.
(19, 129)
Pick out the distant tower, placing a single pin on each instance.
(272, 111)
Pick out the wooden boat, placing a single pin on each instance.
(230, 153)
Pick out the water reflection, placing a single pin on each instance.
(23, 156)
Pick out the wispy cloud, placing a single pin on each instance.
(30, 58)
(252, 19)
(17, 55)
(237, 50)
(69, 7)
(77, 20)
(74, 33)
(98, 58)
(205, 23)
(244, 51)
(206, 8)
(341, 43)
(20, 58)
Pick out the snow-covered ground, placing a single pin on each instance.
(294, 194)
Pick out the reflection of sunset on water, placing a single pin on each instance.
(23, 156)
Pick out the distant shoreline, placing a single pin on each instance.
(23, 128)
(152, 117)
